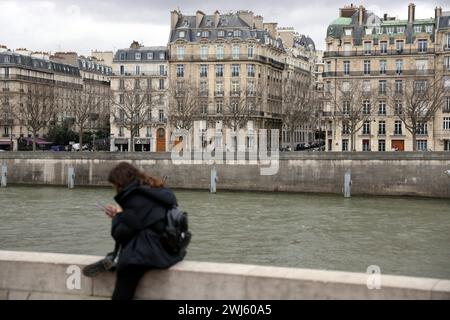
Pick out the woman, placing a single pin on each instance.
(136, 228)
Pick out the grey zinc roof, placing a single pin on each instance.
(39, 64)
(130, 53)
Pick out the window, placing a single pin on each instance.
(429, 29)
(219, 52)
(366, 86)
(122, 70)
(137, 56)
(203, 88)
(121, 99)
(446, 105)
(422, 145)
(383, 47)
(161, 115)
(250, 88)
(219, 107)
(205, 34)
(448, 39)
(417, 29)
(382, 127)
(344, 144)
(221, 33)
(398, 127)
(235, 70)
(398, 107)
(366, 127)
(121, 132)
(137, 84)
(399, 66)
(162, 55)
(422, 46)
(367, 47)
(250, 70)
(422, 128)
(382, 87)
(234, 107)
(347, 67)
(219, 70)
(162, 70)
(348, 32)
(236, 51)
(122, 56)
(389, 30)
(421, 65)
(250, 51)
(398, 86)
(204, 52)
(366, 107)
(399, 45)
(180, 53)
(378, 30)
(203, 70)
(219, 88)
(121, 84)
(382, 108)
(346, 107)
(237, 33)
(381, 145)
(366, 145)
(447, 62)
(345, 128)
(446, 123)
(366, 67)
(401, 29)
(138, 70)
(181, 34)
(161, 84)
(235, 87)
(382, 66)
(180, 70)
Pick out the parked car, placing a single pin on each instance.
(76, 147)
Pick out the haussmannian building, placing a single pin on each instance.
(231, 60)
(142, 71)
(384, 52)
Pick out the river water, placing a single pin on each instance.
(408, 236)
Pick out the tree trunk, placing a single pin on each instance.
(34, 140)
(414, 139)
(80, 139)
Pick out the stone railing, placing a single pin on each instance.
(33, 275)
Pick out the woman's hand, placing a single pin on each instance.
(112, 211)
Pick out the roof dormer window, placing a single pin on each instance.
(181, 34)
(205, 34)
(237, 33)
(137, 56)
(221, 33)
(149, 55)
(161, 56)
(401, 29)
(378, 30)
(417, 29)
(348, 31)
(390, 30)
(429, 29)
(224, 21)
(122, 56)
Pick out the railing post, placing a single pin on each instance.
(213, 180)
(347, 183)
(4, 175)
(71, 178)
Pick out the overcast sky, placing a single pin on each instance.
(84, 25)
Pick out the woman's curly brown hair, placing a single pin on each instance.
(125, 173)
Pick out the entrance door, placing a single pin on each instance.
(161, 140)
(398, 145)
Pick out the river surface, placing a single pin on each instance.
(408, 236)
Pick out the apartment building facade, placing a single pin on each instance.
(22, 75)
(140, 123)
(379, 56)
(234, 62)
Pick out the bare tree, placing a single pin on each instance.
(8, 109)
(38, 108)
(353, 106)
(184, 105)
(300, 103)
(416, 101)
(84, 105)
(133, 108)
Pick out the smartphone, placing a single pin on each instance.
(100, 206)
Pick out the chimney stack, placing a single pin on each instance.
(198, 18)
(174, 16)
(216, 18)
(411, 12)
(361, 15)
(437, 12)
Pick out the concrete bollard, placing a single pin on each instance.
(347, 183)
(213, 180)
(4, 176)
(71, 178)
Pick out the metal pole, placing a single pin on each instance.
(4, 176)
(347, 183)
(71, 178)
(213, 180)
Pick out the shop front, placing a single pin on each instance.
(142, 144)
(121, 144)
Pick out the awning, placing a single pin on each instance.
(5, 143)
(38, 141)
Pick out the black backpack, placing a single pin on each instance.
(176, 236)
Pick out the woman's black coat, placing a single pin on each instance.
(138, 227)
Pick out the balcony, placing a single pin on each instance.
(362, 52)
(203, 93)
(235, 93)
(379, 73)
(218, 93)
(143, 74)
